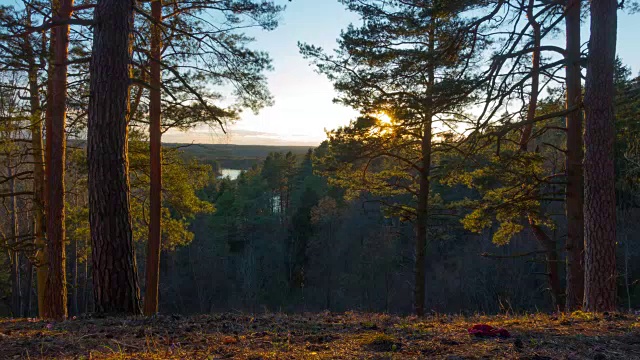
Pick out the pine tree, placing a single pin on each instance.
(407, 68)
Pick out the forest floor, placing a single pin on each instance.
(323, 336)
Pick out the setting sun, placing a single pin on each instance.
(383, 118)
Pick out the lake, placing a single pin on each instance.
(230, 173)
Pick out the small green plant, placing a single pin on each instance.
(581, 315)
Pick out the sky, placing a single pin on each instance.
(303, 106)
(303, 99)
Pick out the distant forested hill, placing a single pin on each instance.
(230, 156)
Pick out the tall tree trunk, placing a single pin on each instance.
(421, 223)
(47, 168)
(599, 175)
(26, 290)
(574, 155)
(42, 270)
(74, 277)
(422, 210)
(155, 143)
(115, 280)
(14, 254)
(553, 268)
(37, 150)
(548, 245)
(55, 304)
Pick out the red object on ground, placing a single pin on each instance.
(484, 330)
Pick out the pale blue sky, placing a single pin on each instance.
(303, 99)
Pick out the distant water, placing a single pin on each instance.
(230, 173)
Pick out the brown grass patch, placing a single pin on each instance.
(323, 336)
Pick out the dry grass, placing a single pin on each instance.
(323, 336)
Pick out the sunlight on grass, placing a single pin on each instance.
(325, 336)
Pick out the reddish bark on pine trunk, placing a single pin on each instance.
(574, 156)
(155, 157)
(55, 302)
(115, 279)
(599, 174)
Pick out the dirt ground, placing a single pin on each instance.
(323, 336)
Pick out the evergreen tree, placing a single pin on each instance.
(407, 69)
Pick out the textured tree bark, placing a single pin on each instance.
(155, 144)
(115, 281)
(574, 156)
(37, 149)
(55, 304)
(599, 176)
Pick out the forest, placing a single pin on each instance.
(484, 203)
